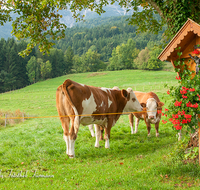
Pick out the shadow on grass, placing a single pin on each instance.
(124, 144)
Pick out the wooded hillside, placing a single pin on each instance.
(95, 45)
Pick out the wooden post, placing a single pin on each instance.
(5, 119)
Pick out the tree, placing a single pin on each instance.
(154, 63)
(33, 70)
(6, 81)
(142, 60)
(91, 61)
(123, 56)
(38, 20)
(69, 54)
(45, 68)
(56, 58)
(77, 65)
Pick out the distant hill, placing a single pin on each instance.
(111, 10)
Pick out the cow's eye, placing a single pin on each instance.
(133, 99)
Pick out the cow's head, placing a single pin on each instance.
(151, 107)
(132, 105)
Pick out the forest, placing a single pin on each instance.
(94, 45)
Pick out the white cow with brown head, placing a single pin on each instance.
(152, 108)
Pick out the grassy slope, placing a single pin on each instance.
(132, 162)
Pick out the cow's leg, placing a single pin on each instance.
(157, 127)
(65, 125)
(91, 130)
(148, 128)
(107, 133)
(98, 134)
(66, 138)
(72, 137)
(102, 130)
(137, 121)
(131, 122)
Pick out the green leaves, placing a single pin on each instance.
(39, 21)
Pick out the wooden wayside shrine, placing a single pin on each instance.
(187, 39)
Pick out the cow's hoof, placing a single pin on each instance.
(157, 134)
(149, 135)
(134, 132)
(71, 156)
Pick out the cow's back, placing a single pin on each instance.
(144, 96)
(90, 102)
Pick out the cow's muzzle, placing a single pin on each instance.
(151, 117)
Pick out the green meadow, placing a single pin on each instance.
(32, 153)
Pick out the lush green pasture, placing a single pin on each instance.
(32, 154)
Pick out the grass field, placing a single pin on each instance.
(32, 153)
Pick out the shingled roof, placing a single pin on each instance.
(186, 38)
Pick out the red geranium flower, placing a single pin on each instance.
(184, 96)
(183, 91)
(177, 103)
(187, 116)
(178, 78)
(188, 104)
(192, 89)
(184, 121)
(194, 105)
(178, 127)
(175, 116)
(164, 121)
(196, 52)
(184, 88)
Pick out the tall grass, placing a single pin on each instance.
(32, 153)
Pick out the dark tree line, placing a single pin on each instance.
(17, 72)
(12, 66)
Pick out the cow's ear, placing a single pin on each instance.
(124, 93)
(143, 105)
(160, 104)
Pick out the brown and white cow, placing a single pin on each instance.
(82, 104)
(151, 104)
(101, 127)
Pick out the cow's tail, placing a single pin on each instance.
(65, 86)
(59, 106)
